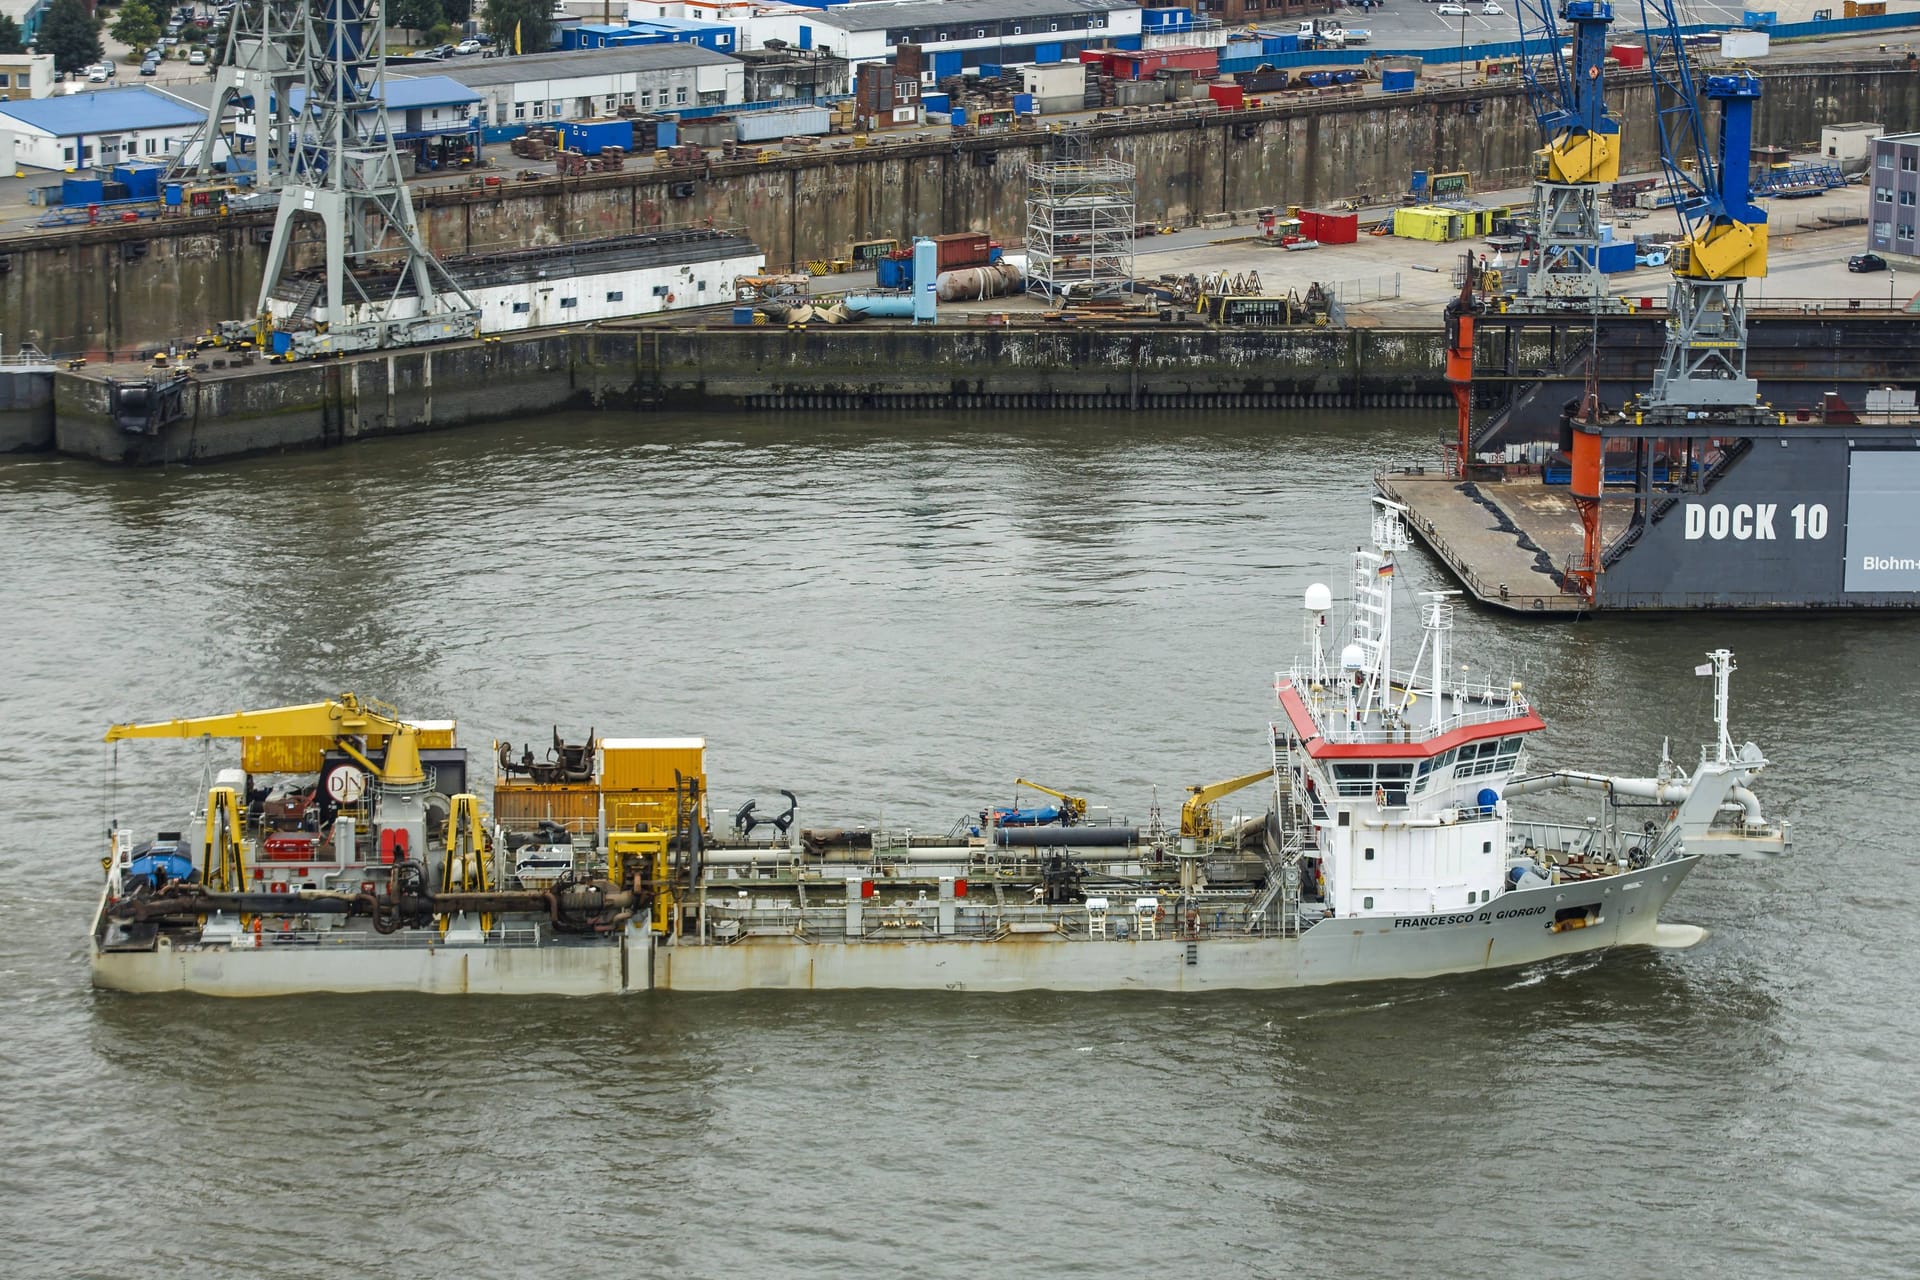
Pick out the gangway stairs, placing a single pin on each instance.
(1283, 842)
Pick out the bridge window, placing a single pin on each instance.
(1369, 854)
(1367, 903)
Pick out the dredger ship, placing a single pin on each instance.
(348, 849)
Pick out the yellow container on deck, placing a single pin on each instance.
(649, 764)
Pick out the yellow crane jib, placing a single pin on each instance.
(1196, 815)
(1074, 806)
(335, 720)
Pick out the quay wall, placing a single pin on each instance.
(275, 407)
(117, 286)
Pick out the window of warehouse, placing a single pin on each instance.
(646, 97)
(519, 111)
(680, 96)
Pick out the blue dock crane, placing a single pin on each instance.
(1723, 241)
(1566, 88)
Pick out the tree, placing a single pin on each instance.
(418, 15)
(534, 18)
(10, 38)
(137, 27)
(70, 35)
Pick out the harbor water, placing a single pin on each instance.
(894, 621)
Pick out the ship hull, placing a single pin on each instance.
(1514, 930)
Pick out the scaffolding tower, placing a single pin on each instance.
(1080, 219)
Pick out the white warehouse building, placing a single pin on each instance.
(585, 83)
(951, 33)
(104, 128)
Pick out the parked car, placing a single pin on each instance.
(440, 51)
(149, 68)
(467, 46)
(197, 58)
(100, 73)
(1866, 262)
(1452, 11)
(1492, 10)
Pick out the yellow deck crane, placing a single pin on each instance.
(1196, 815)
(311, 728)
(1073, 808)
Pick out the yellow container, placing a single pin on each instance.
(649, 764)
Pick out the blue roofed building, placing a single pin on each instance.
(110, 126)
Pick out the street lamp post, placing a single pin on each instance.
(1892, 276)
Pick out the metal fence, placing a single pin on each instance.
(1381, 288)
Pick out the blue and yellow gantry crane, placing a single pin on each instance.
(1723, 234)
(1580, 158)
(1701, 388)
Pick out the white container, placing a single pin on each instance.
(796, 122)
(1743, 44)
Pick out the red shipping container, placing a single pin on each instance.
(1309, 224)
(962, 249)
(1336, 228)
(1629, 55)
(1231, 97)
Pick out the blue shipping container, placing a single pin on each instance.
(1614, 258)
(1396, 81)
(174, 196)
(143, 180)
(667, 133)
(593, 136)
(1242, 49)
(743, 315)
(946, 64)
(1759, 18)
(1047, 52)
(1280, 44)
(935, 101)
(1023, 105)
(989, 70)
(81, 191)
(894, 273)
(959, 115)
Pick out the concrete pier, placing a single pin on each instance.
(1506, 540)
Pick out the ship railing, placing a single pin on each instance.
(1417, 727)
(503, 935)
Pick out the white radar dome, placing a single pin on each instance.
(1319, 598)
(1353, 658)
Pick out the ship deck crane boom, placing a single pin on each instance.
(1195, 818)
(1075, 806)
(335, 720)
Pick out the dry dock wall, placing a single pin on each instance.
(274, 407)
(118, 286)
